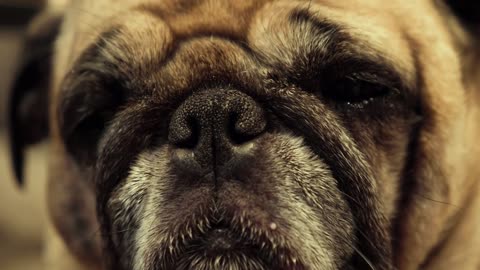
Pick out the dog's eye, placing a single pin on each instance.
(84, 112)
(355, 91)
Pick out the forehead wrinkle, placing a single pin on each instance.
(378, 40)
(126, 52)
(363, 45)
(206, 16)
(205, 61)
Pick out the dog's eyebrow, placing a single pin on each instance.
(303, 16)
(103, 65)
(341, 53)
(93, 58)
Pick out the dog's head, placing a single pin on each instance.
(258, 134)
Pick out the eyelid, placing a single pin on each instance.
(364, 67)
(374, 79)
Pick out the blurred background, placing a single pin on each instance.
(22, 212)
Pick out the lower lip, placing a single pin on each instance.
(220, 239)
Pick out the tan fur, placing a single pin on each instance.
(444, 213)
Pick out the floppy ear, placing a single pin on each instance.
(28, 112)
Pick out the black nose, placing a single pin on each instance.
(213, 127)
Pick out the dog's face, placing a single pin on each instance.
(258, 134)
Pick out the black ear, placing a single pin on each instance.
(468, 11)
(28, 111)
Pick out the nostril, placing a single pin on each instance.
(240, 130)
(235, 136)
(184, 130)
(191, 140)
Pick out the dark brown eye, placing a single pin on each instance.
(355, 91)
(88, 103)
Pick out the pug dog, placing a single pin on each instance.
(256, 134)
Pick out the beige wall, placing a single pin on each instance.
(22, 212)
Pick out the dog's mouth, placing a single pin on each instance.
(219, 239)
(234, 243)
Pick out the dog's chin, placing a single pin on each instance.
(223, 248)
(227, 245)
